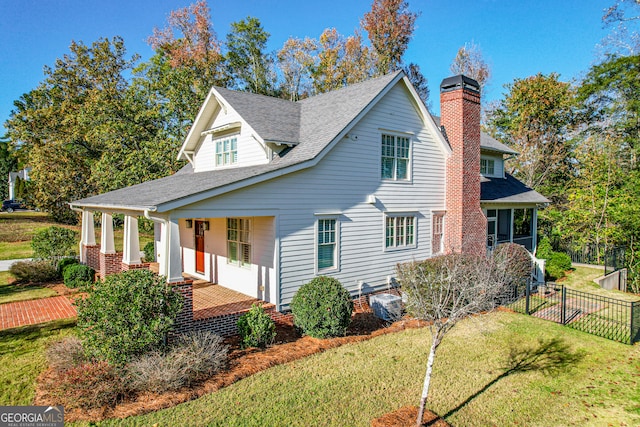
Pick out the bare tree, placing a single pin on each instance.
(470, 62)
(446, 289)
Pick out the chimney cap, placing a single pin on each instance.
(459, 82)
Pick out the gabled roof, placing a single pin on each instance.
(273, 119)
(508, 190)
(487, 142)
(320, 122)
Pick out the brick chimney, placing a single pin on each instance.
(465, 224)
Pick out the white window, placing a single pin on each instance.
(400, 231)
(438, 233)
(327, 244)
(227, 151)
(395, 157)
(239, 241)
(487, 166)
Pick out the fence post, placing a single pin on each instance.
(527, 293)
(563, 309)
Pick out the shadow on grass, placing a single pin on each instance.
(549, 356)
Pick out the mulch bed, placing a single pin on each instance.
(242, 364)
(406, 417)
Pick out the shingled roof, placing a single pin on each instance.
(508, 190)
(311, 124)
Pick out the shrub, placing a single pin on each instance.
(544, 249)
(64, 263)
(150, 252)
(79, 276)
(65, 354)
(33, 271)
(514, 262)
(195, 357)
(557, 262)
(126, 315)
(561, 260)
(256, 328)
(322, 308)
(53, 242)
(87, 386)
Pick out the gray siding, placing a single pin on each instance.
(340, 182)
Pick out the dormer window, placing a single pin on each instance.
(487, 167)
(227, 151)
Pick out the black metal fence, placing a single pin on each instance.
(611, 318)
(613, 258)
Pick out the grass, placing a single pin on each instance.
(505, 369)
(13, 293)
(22, 359)
(581, 279)
(17, 230)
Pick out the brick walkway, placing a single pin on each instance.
(31, 312)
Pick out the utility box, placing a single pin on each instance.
(386, 306)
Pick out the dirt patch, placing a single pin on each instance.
(242, 364)
(406, 417)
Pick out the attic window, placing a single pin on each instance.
(226, 151)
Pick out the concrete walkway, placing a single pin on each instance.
(35, 311)
(6, 264)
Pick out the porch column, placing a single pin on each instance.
(131, 244)
(169, 259)
(88, 234)
(106, 239)
(534, 231)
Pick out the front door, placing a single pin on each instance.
(199, 246)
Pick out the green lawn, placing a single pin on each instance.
(581, 279)
(13, 293)
(17, 229)
(22, 359)
(506, 369)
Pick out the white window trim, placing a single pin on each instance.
(397, 134)
(403, 214)
(336, 267)
(215, 151)
(238, 263)
(442, 214)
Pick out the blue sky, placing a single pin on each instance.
(518, 38)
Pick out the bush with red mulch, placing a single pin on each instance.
(242, 364)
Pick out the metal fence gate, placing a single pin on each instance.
(606, 317)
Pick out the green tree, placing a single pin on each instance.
(390, 26)
(250, 66)
(8, 164)
(65, 120)
(535, 119)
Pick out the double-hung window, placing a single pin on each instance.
(400, 231)
(395, 157)
(438, 232)
(227, 151)
(239, 241)
(327, 244)
(487, 167)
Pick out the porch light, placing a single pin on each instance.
(189, 223)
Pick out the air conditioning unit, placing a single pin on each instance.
(386, 306)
